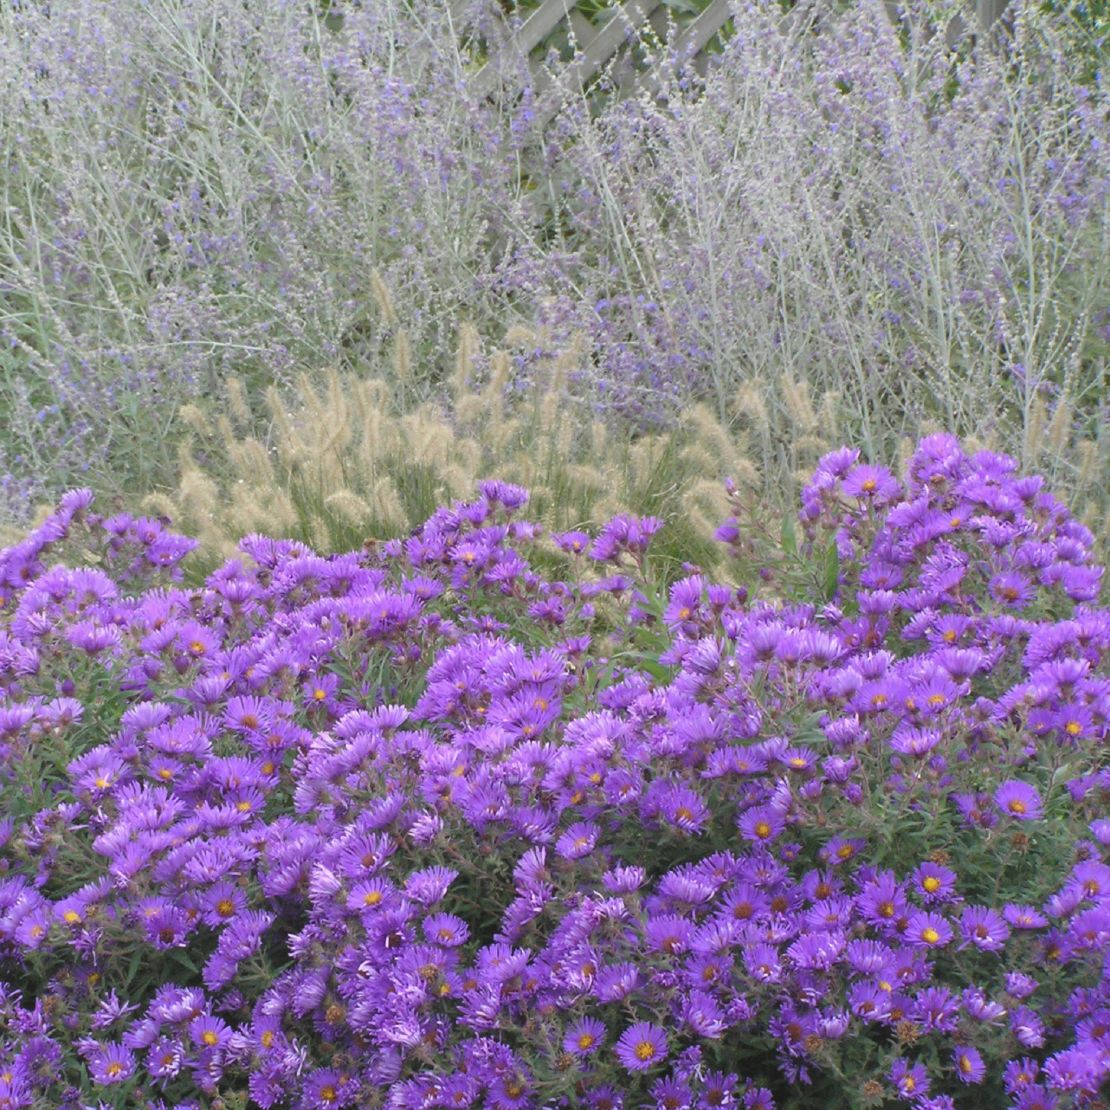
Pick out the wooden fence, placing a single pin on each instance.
(597, 46)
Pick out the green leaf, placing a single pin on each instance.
(789, 537)
(650, 663)
(133, 966)
(831, 572)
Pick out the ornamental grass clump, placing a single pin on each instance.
(343, 459)
(427, 826)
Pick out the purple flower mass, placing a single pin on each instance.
(486, 868)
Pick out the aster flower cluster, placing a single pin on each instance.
(427, 825)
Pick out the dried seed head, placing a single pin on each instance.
(1035, 429)
(237, 403)
(402, 357)
(195, 419)
(352, 508)
(798, 405)
(382, 298)
(467, 349)
(1059, 427)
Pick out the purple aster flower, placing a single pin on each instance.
(371, 896)
(575, 543)
(759, 1098)
(980, 1007)
(1027, 1027)
(915, 742)
(869, 1001)
(579, 840)
(1075, 1069)
(1018, 799)
(871, 483)
(583, 1037)
(761, 824)
(642, 1046)
(1091, 878)
(669, 933)
(935, 1008)
(762, 962)
(671, 1094)
(327, 1089)
(446, 930)
(165, 1057)
(110, 1063)
(429, 885)
(969, 1064)
(616, 982)
(1020, 1074)
(910, 1080)
(982, 927)
(1035, 1097)
(703, 1015)
(840, 850)
(882, 902)
(1012, 589)
(1019, 985)
(975, 809)
(622, 879)
(209, 1032)
(604, 1097)
(928, 930)
(934, 883)
(1024, 917)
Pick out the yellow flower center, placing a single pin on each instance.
(645, 1050)
(585, 1040)
(931, 884)
(372, 898)
(1016, 805)
(930, 935)
(209, 1037)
